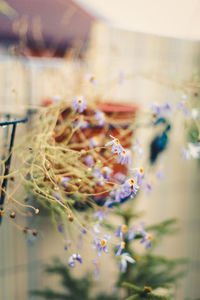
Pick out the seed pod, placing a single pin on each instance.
(12, 215)
(34, 232)
(2, 212)
(70, 218)
(48, 166)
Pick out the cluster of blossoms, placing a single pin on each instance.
(128, 187)
(99, 180)
(124, 155)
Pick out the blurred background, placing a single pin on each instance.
(45, 48)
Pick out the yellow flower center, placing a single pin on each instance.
(131, 181)
(124, 228)
(80, 101)
(92, 77)
(149, 238)
(116, 141)
(123, 245)
(124, 152)
(141, 171)
(103, 242)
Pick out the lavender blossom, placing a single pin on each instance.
(127, 189)
(136, 229)
(121, 230)
(101, 244)
(64, 181)
(79, 104)
(106, 172)
(90, 77)
(116, 146)
(124, 259)
(147, 240)
(89, 160)
(120, 249)
(75, 257)
(61, 228)
(98, 174)
(124, 157)
(139, 173)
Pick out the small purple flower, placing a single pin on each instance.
(124, 259)
(61, 228)
(99, 116)
(97, 173)
(139, 173)
(64, 181)
(97, 268)
(89, 160)
(79, 104)
(121, 230)
(124, 157)
(136, 229)
(106, 172)
(129, 188)
(116, 146)
(90, 77)
(101, 244)
(147, 240)
(120, 249)
(81, 123)
(75, 257)
(119, 194)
